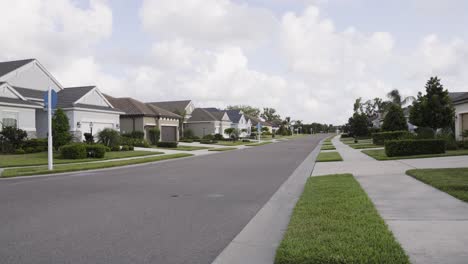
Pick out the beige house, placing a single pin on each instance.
(460, 102)
(203, 122)
(139, 116)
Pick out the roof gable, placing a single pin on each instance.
(9, 66)
(28, 74)
(94, 97)
(174, 106)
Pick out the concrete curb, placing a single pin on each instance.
(259, 239)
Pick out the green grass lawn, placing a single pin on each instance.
(335, 222)
(14, 172)
(221, 149)
(231, 143)
(379, 154)
(329, 156)
(327, 147)
(451, 181)
(35, 159)
(364, 146)
(183, 148)
(259, 144)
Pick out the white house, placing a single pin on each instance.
(240, 122)
(460, 102)
(23, 84)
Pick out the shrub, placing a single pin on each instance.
(125, 148)
(95, 151)
(394, 119)
(29, 150)
(218, 137)
(208, 137)
(12, 138)
(188, 133)
(109, 137)
(138, 134)
(115, 148)
(35, 142)
(131, 148)
(425, 133)
(141, 143)
(345, 135)
(380, 138)
(73, 151)
(167, 144)
(208, 141)
(89, 138)
(154, 134)
(20, 151)
(60, 129)
(245, 140)
(410, 147)
(40, 148)
(449, 138)
(186, 140)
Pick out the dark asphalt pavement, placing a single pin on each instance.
(181, 211)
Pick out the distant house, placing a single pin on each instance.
(182, 108)
(139, 116)
(460, 102)
(238, 120)
(204, 122)
(23, 84)
(255, 120)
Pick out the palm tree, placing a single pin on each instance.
(396, 98)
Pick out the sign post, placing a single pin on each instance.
(259, 131)
(50, 101)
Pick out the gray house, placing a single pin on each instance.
(203, 122)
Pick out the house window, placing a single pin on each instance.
(9, 119)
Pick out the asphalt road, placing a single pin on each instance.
(182, 211)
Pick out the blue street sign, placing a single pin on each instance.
(53, 99)
(259, 127)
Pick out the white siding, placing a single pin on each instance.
(31, 76)
(93, 98)
(6, 92)
(461, 124)
(26, 117)
(100, 121)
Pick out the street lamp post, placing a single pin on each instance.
(91, 127)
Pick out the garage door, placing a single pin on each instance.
(168, 133)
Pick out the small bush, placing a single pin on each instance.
(115, 148)
(188, 134)
(138, 134)
(218, 137)
(89, 138)
(154, 134)
(186, 140)
(131, 148)
(245, 140)
(73, 151)
(29, 150)
(345, 135)
(40, 149)
(125, 148)
(95, 151)
(35, 142)
(410, 147)
(208, 137)
(380, 138)
(20, 151)
(109, 137)
(208, 141)
(167, 144)
(425, 133)
(12, 138)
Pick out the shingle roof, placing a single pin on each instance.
(172, 106)
(234, 115)
(458, 97)
(9, 66)
(137, 108)
(30, 93)
(256, 120)
(201, 114)
(16, 101)
(217, 113)
(68, 96)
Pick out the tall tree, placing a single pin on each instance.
(60, 129)
(359, 125)
(395, 119)
(434, 109)
(396, 98)
(246, 109)
(269, 114)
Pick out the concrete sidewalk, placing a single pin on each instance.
(431, 225)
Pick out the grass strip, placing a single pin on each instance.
(335, 222)
(230, 143)
(14, 172)
(327, 147)
(329, 156)
(259, 144)
(221, 149)
(36, 159)
(379, 154)
(452, 181)
(184, 148)
(364, 146)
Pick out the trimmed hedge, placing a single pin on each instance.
(73, 151)
(95, 151)
(167, 144)
(380, 138)
(408, 147)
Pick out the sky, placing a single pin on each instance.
(309, 59)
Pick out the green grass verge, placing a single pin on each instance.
(327, 147)
(183, 148)
(364, 146)
(259, 144)
(335, 222)
(451, 181)
(231, 143)
(329, 156)
(35, 159)
(379, 154)
(221, 149)
(14, 172)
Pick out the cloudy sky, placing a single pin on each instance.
(309, 59)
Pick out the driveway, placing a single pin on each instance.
(181, 211)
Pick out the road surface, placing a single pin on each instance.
(181, 211)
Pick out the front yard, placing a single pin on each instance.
(335, 222)
(379, 154)
(35, 159)
(451, 181)
(27, 171)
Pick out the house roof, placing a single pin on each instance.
(202, 115)
(217, 113)
(134, 107)
(30, 93)
(234, 115)
(173, 106)
(68, 96)
(17, 101)
(255, 120)
(9, 66)
(458, 97)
